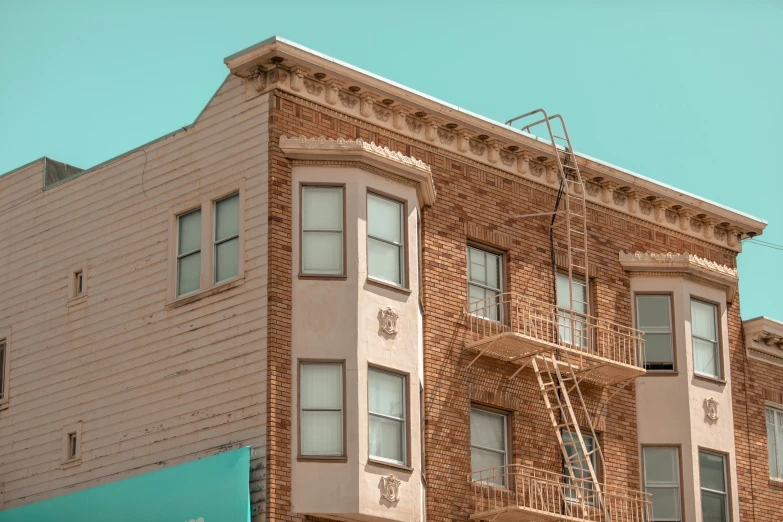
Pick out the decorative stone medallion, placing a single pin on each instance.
(388, 321)
(390, 488)
(711, 409)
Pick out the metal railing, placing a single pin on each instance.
(554, 325)
(517, 488)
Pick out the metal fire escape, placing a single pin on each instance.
(563, 345)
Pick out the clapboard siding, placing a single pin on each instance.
(153, 385)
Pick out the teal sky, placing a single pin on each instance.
(688, 93)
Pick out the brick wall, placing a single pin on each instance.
(475, 203)
(754, 383)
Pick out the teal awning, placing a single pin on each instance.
(212, 489)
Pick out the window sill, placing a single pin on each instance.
(70, 463)
(324, 459)
(388, 286)
(776, 482)
(323, 277)
(4, 405)
(76, 301)
(391, 465)
(212, 290)
(707, 378)
(661, 373)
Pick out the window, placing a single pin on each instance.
(488, 445)
(72, 445)
(322, 230)
(662, 480)
(654, 318)
(584, 481)
(71, 452)
(385, 236)
(226, 238)
(321, 409)
(188, 252)
(387, 409)
(714, 493)
(775, 442)
(704, 328)
(3, 372)
(573, 327)
(484, 283)
(78, 282)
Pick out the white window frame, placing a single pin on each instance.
(775, 442)
(725, 494)
(403, 420)
(304, 231)
(654, 331)
(473, 446)
(183, 255)
(676, 485)
(400, 246)
(5, 366)
(716, 342)
(341, 364)
(497, 291)
(216, 242)
(568, 323)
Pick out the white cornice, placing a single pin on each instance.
(664, 264)
(322, 149)
(764, 339)
(283, 65)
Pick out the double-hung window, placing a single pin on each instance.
(3, 370)
(583, 484)
(488, 446)
(188, 252)
(484, 283)
(385, 240)
(226, 241)
(654, 318)
(775, 442)
(387, 412)
(573, 324)
(714, 490)
(706, 349)
(662, 481)
(322, 231)
(321, 409)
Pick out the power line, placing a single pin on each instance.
(764, 244)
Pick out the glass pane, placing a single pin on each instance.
(386, 393)
(322, 433)
(666, 503)
(653, 313)
(705, 357)
(322, 208)
(386, 439)
(713, 507)
(487, 430)
(579, 293)
(660, 467)
(658, 347)
(322, 252)
(321, 385)
(483, 459)
(189, 232)
(2, 370)
(188, 273)
(384, 218)
(703, 319)
(383, 261)
(227, 217)
(779, 449)
(227, 260)
(477, 268)
(711, 471)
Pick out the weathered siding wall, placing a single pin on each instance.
(153, 385)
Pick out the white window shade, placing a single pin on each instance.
(188, 252)
(484, 283)
(322, 230)
(387, 413)
(227, 238)
(653, 317)
(488, 443)
(385, 241)
(573, 326)
(321, 409)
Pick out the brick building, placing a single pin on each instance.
(404, 310)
